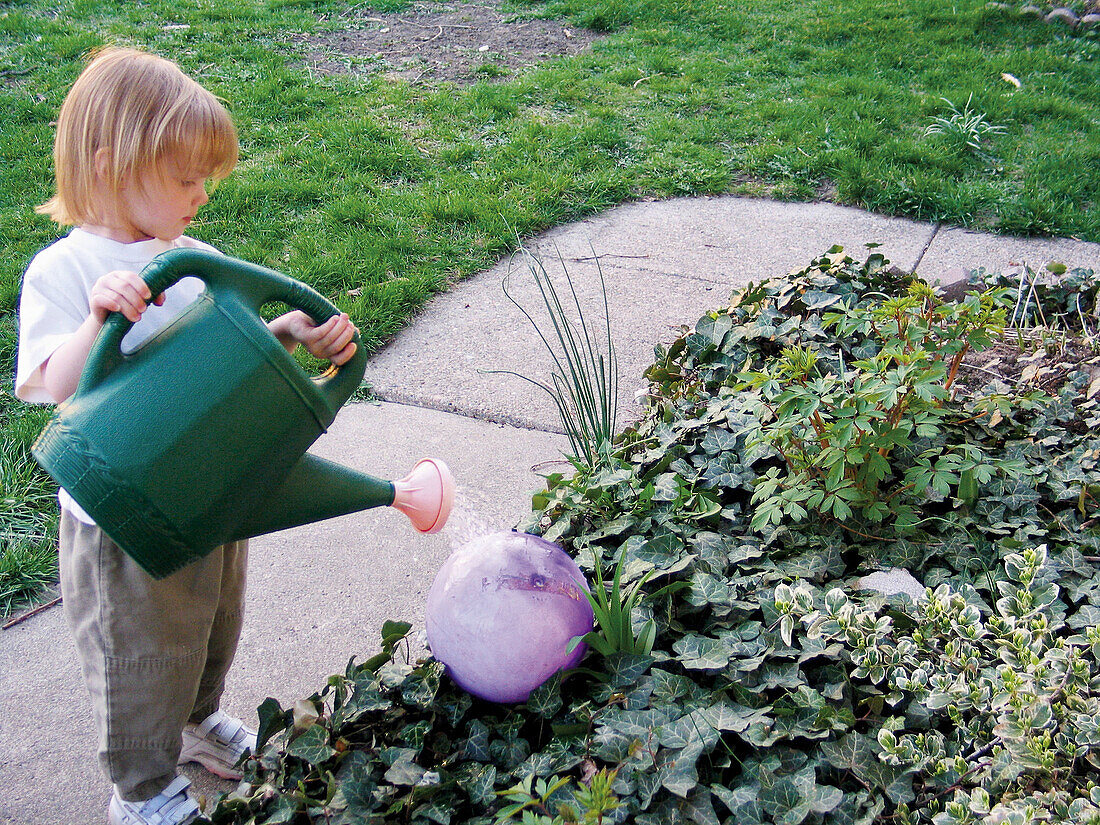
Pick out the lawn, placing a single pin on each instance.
(381, 193)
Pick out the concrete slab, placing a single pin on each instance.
(665, 264)
(730, 240)
(318, 595)
(955, 252)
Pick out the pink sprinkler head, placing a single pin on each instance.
(426, 495)
(502, 612)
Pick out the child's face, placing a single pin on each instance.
(163, 203)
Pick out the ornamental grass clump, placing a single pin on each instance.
(584, 379)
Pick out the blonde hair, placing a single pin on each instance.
(138, 110)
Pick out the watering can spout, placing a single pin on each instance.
(426, 495)
(316, 489)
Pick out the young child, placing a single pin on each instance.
(136, 142)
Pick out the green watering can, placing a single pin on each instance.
(199, 436)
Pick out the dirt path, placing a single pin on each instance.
(461, 42)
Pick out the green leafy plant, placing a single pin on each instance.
(966, 128)
(843, 426)
(584, 381)
(1006, 697)
(530, 800)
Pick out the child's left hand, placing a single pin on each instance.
(331, 340)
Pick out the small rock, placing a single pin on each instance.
(1090, 21)
(998, 6)
(1031, 11)
(893, 581)
(1066, 16)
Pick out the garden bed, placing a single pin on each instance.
(775, 690)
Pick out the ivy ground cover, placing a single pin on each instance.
(775, 690)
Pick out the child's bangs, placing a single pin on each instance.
(203, 139)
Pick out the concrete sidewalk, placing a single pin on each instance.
(318, 595)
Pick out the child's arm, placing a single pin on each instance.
(118, 291)
(331, 340)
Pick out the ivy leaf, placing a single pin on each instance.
(312, 745)
(826, 799)
(720, 440)
(625, 669)
(698, 807)
(477, 742)
(785, 802)
(690, 730)
(851, 752)
(545, 700)
(897, 782)
(357, 794)
(706, 589)
(637, 724)
(714, 329)
(479, 783)
(730, 716)
(676, 769)
(697, 652)
(1087, 615)
(814, 299)
(511, 752)
(437, 812)
(727, 472)
(660, 551)
(282, 810)
(272, 720)
(403, 769)
(421, 686)
(736, 799)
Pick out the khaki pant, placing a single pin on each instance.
(154, 653)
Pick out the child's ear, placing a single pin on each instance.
(103, 164)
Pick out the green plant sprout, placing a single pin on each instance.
(613, 613)
(584, 383)
(1073, 314)
(531, 799)
(966, 128)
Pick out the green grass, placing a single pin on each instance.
(382, 193)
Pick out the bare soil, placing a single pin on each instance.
(460, 42)
(1039, 364)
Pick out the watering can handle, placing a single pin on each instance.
(256, 284)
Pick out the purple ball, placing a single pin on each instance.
(501, 612)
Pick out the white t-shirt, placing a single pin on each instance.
(54, 303)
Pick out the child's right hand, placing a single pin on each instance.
(118, 291)
(121, 291)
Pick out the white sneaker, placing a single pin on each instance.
(217, 743)
(172, 806)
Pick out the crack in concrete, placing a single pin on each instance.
(927, 246)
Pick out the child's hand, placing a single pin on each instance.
(331, 340)
(121, 291)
